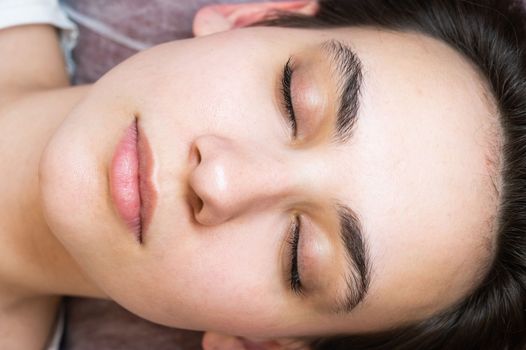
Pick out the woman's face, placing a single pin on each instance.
(234, 178)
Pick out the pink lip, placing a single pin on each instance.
(131, 186)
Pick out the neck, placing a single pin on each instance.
(32, 261)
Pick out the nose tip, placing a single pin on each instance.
(209, 180)
(231, 178)
(209, 202)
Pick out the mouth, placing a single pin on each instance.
(131, 186)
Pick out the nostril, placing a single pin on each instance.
(196, 203)
(198, 155)
(199, 204)
(194, 156)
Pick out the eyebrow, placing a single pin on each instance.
(348, 67)
(358, 277)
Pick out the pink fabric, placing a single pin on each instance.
(148, 22)
(101, 324)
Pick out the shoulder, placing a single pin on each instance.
(27, 323)
(32, 60)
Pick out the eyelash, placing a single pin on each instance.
(287, 96)
(294, 238)
(295, 229)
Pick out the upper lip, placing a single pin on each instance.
(147, 191)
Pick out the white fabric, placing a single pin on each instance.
(54, 343)
(19, 12)
(16, 12)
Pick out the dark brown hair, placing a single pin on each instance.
(491, 34)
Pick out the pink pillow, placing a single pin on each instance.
(111, 31)
(93, 324)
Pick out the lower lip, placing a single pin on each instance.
(130, 181)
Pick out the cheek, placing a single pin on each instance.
(231, 107)
(190, 87)
(216, 278)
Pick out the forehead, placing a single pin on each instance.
(416, 171)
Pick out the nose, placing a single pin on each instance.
(232, 178)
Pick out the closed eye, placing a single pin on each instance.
(294, 238)
(286, 81)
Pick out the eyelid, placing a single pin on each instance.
(310, 101)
